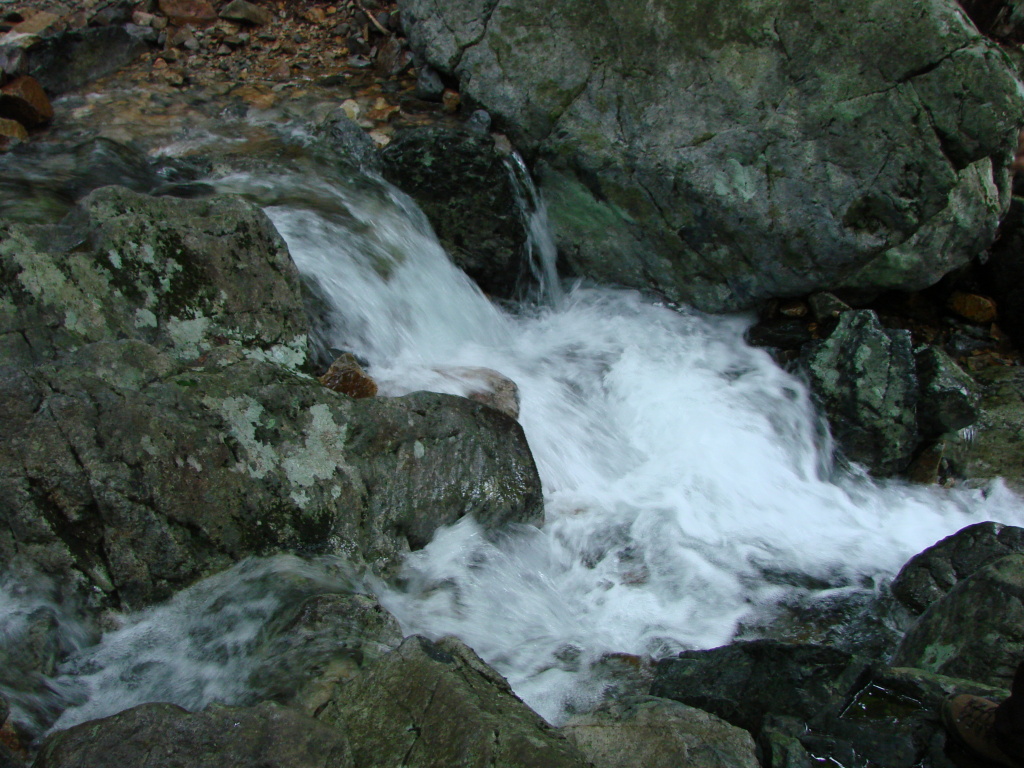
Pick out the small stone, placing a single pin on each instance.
(380, 139)
(241, 10)
(428, 84)
(12, 129)
(451, 101)
(159, 23)
(24, 100)
(826, 306)
(198, 12)
(346, 376)
(255, 97)
(479, 121)
(793, 308)
(159, 64)
(223, 50)
(971, 306)
(143, 19)
(351, 109)
(282, 71)
(181, 37)
(38, 23)
(315, 15)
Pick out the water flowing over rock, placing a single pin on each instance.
(725, 154)
(438, 704)
(864, 375)
(929, 576)
(976, 630)
(243, 737)
(648, 732)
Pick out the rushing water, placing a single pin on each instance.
(689, 484)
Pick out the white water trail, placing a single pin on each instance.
(685, 474)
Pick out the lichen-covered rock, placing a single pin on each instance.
(132, 474)
(171, 737)
(648, 732)
(727, 153)
(976, 631)
(930, 575)
(864, 376)
(465, 187)
(949, 397)
(319, 645)
(438, 704)
(185, 275)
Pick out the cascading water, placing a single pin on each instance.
(688, 484)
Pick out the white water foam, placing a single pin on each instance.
(685, 474)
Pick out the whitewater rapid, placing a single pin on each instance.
(689, 484)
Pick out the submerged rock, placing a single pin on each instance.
(780, 149)
(865, 378)
(648, 732)
(218, 736)
(438, 704)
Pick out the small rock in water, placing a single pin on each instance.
(428, 85)
(451, 100)
(348, 377)
(12, 129)
(479, 121)
(971, 306)
(24, 100)
(487, 386)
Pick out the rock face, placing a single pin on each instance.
(976, 631)
(929, 576)
(864, 376)
(465, 187)
(648, 732)
(154, 428)
(782, 149)
(438, 704)
(166, 735)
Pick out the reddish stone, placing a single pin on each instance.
(346, 376)
(12, 129)
(198, 12)
(24, 100)
(38, 23)
(971, 306)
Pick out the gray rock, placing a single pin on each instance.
(466, 189)
(930, 575)
(949, 397)
(169, 736)
(864, 377)
(782, 149)
(346, 140)
(976, 631)
(131, 473)
(72, 59)
(428, 84)
(186, 275)
(241, 10)
(319, 645)
(648, 732)
(438, 704)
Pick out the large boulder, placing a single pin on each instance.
(930, 575)
(727, 153)
(139, 473)
(169, 736)
(976, 631)
(438, 704)
(865, 378)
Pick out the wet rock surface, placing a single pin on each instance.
(704, 192)
(168, 736)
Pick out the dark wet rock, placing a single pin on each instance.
(784, 149)
(434, 704)
(864, 376)
(976, 631)
(347, 376)
(320, 645)
(241, 10)
(745, 682)
(930, 575)
(994, 446)
(186, 275)
(218, 736)
(949, 397)
(346, 140)
(466, 189)
(40, 183)
(131, 474)
(73, 59)
(1003, 272)
(111, 13)
(826, 307)
(648, 732)
(779, 333)
(429, 86)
